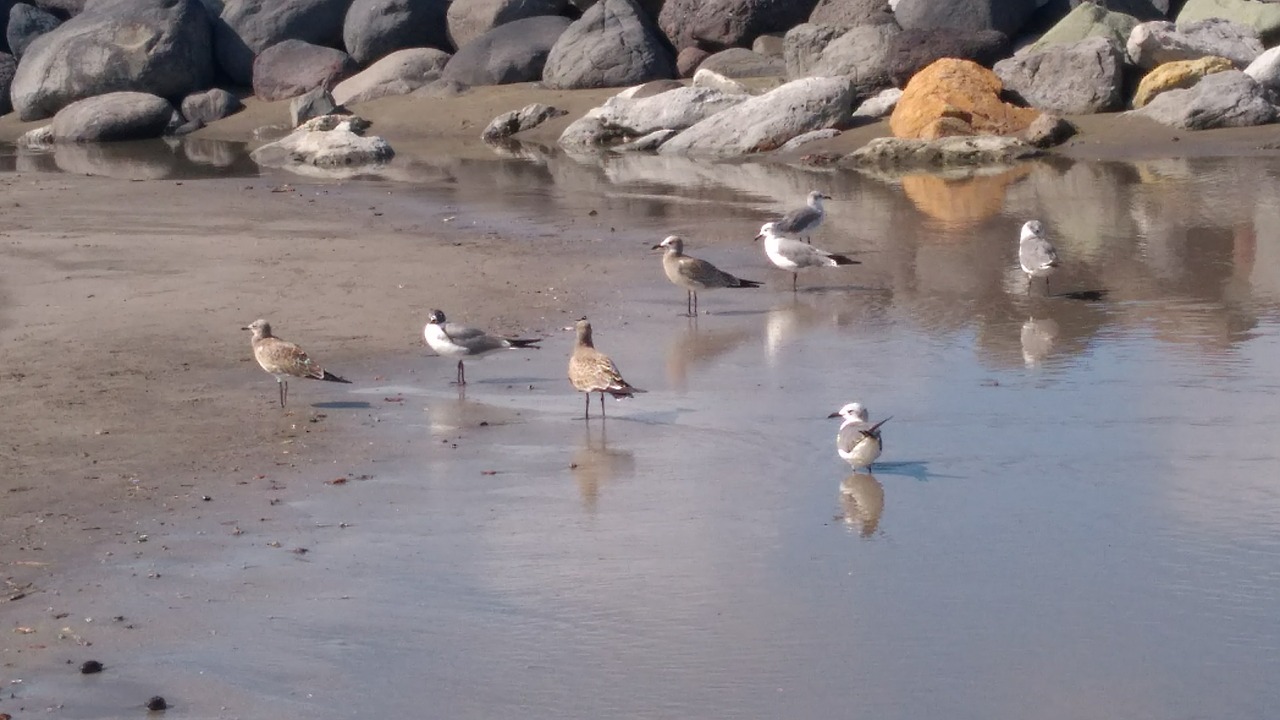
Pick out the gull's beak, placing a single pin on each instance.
(757, 237)
(659, 246)
(826, 197)
(833, 415)
(246, 328)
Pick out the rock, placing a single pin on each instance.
(90, 667)
(850, 13)
(805, 138)
(649, 89)
(880, 105)
(1085, 21)
(1048, 130)
(510, 53)
(1262, 17)
(743, 63)
(441, 88)
(769, 45)
(673, 110)
(247, 27)
(376, 28)
(1179, 74)
(1156, 43)
(209, 106)
(1265, 70)
(862, 55)
(526, 118)
(647, 143)
(585, 134)
(720, 24)
(311, 104)
(766, 122)
(63, 9)
(901, 154)
(8, 66)
(293, 67)
(803, 44)
(956, 97)
(329, 141)
(399, 73)
(469, 19)
(26, 23)
(157, 703)
(1005, 16)
(688, 60)
(912, 50)
(705, 78)
(111, 117)
(40, 138)
(1225, 99)
(1080, 78)
(613, 44)
(160, 47)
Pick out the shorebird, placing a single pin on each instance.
(799, 223)
(592, 371)
(794, 256)
(1036, 254)
(284, 359)
(454, 340)
(858, 442)
(694, 274)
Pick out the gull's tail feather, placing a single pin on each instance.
(843, 259)
(525, 342)
(746, 283)
(330, 377)
(624, 392)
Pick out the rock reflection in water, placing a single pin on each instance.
(862, 499)
(172, 158)
(596, 464)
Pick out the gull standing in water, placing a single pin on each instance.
(284, 359)
(794, 256)
(454, 340)
(592, 371)
(801, 222)
(694, 274)
(1036, 254)
(858, 441)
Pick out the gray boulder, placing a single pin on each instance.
(8, 66)
(26, 23)
(585, 135)
(769, 45)
(743, 63)
(113, 116)
(516, 121)
(672, 110)
(311, 104)
(719, 24)
(880, 105)
(63, 9)
(613, 44)
(1006, 16)
(705, 78)
(1262, 17)
(688, 60)
(803, 45)
(910, 51)
(803, 139)
(851, 13)
(1048, 130)
(1155, 43)
(899, 154)
(766, 122)
(1225, 99)
(293, 67)
(862, 55)
(399, 73)
(247, 27)
(1265, 70)
(209, 106)
(1077, 79)
(469, 19)
(375, 28)
(102, 50)
(646, 143)
(1089, 20)
(329, 142)
(511, 53)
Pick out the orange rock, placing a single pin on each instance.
(961, 203)
(956, 97)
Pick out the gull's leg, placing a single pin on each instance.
(462, 374)
(601, 406)
(695, 301)
(586, 412)
(280, 390)
(794, 276)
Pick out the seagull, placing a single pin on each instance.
(282, 359)
(454, 340)
(694, 274)
(858, 442)
(794, 256)
(1036, 254)
(801, 222)
(592, 371)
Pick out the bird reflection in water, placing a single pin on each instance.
(862, 499)
(1038, 337)
(693, 347)
(785, 322)
(594, 464)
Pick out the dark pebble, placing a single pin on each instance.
(90, 667)
(157, 704)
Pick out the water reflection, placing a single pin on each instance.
(596, 464)
(1038, 337)
(862, 500)
(694, 347)
(170, 158)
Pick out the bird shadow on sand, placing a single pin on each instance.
(915, 469)
(512, 381)
(1083, 295)
(342, 405)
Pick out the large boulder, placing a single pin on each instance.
(719, 24)
(510, 53)
(64, 9)
(1265, 70)
(1089, 20)
(1225, 99)
(160, 47)
(613, 44)
(293, 67)
(1081, 78)
(1180, 74)
(851, 13)
(374, 28)
(26, 23)
(113, 116)
(766, 122)
(1156, 43)
(399, 73)
(247, 27)
(892, 154)
(1262, 17)
(862, 55)
(743, 63)
(671, 110)
(469, 19)
(8, 66)
(688, 60)
(803, 45)
(1006, 16)
(206, 107)
(956, 97)
(329, 142)
(516, 121)
(910, 51)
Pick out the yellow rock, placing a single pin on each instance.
(956, 97)
(1177, 74)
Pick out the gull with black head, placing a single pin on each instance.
(284, 359)
(592, 371)
(454, 340)
(858, 442)
(801, 222)
(794, 256)
(694, 274)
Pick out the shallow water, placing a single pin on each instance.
(1077, 514)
